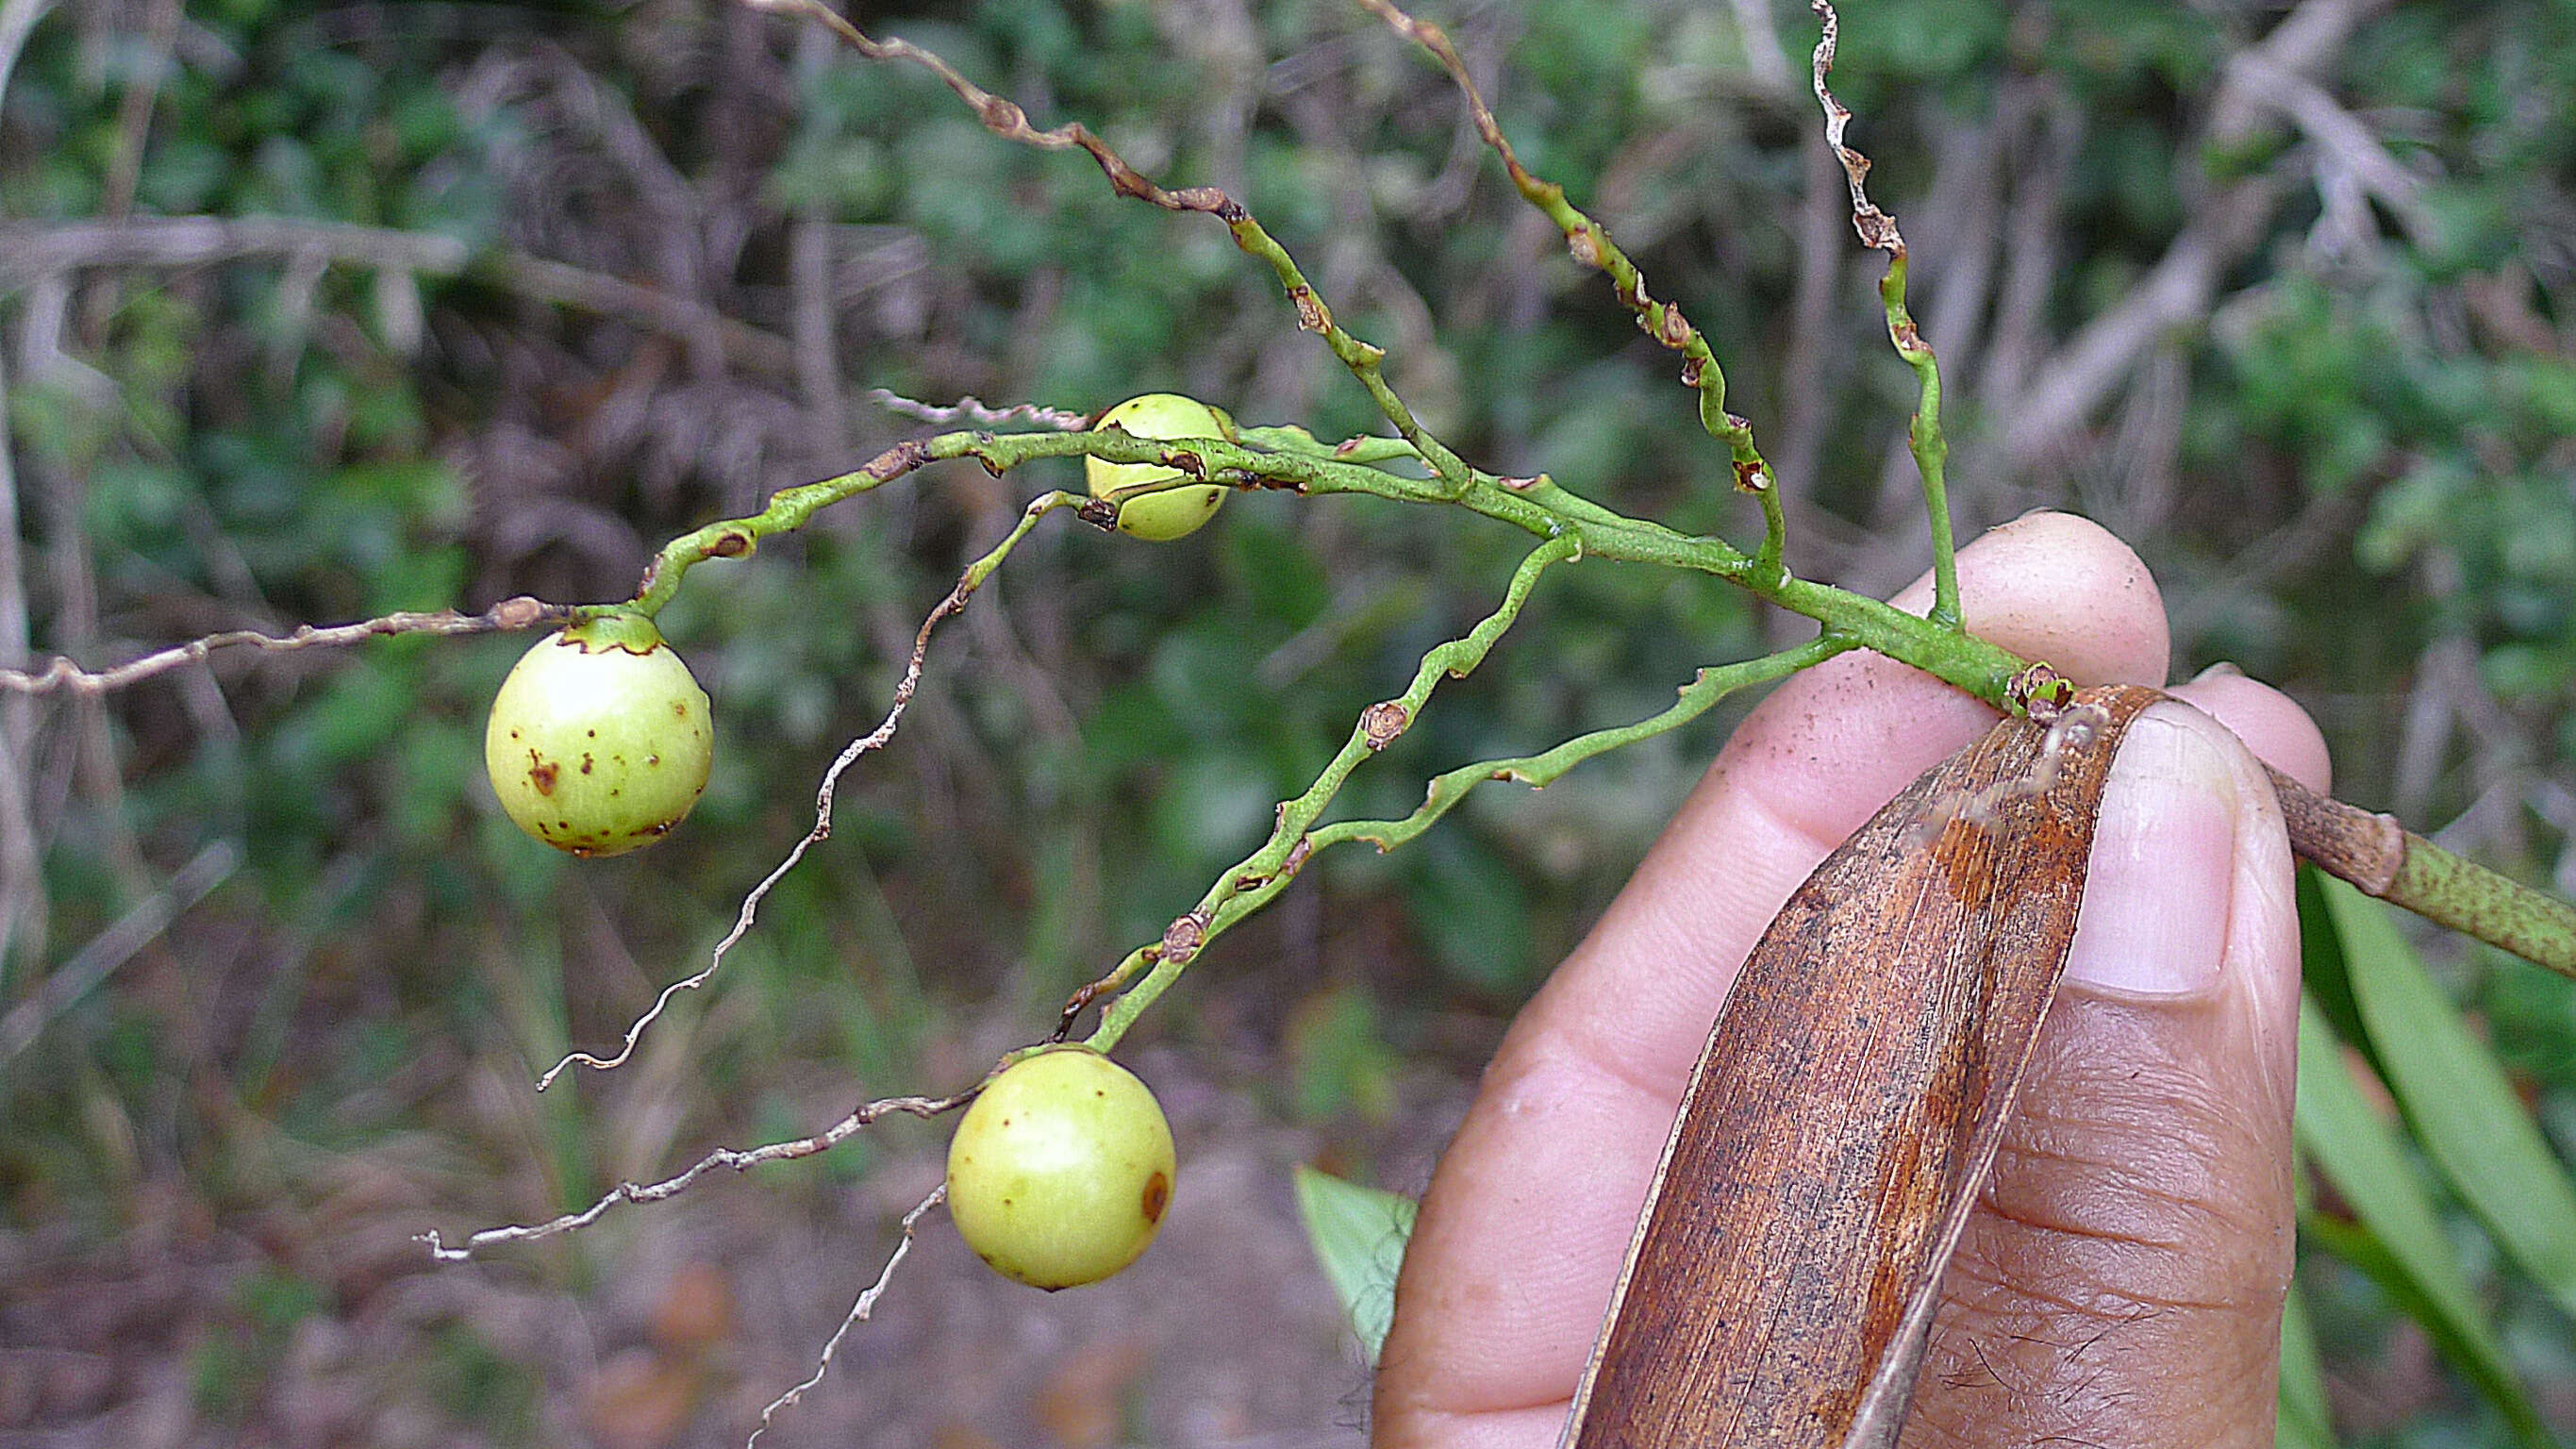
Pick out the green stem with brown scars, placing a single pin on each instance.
(2438, 885)
(1923, 435)
(2387, 860)
(1548, 766)
(1259, 876)
(2469, 898)
(2428, 881)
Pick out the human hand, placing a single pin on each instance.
(2122, 1277)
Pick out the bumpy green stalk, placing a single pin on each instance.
(1546, 767)
(1365, 361)
(2445, 888)
(1267, 872)
(2475, 901)
(1923, 434)
(1004, 118)
(1878, 231)
(1212, 458)
(1539, 506)
(1589, 242)
(1255, 878)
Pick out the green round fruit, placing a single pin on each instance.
(600, 741)
(1062, 1169)
(1158, 517)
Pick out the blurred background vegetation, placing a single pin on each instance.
(310, 312)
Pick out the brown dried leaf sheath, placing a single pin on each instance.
(1846, 1109)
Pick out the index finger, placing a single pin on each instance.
(1526, 1223)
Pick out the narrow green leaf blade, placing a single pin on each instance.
(1359, 1235)
(2321, 964)
(2467, 1346)
(2304, 1420)
(2455, 1094)
(2398, 1239)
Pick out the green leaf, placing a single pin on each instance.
(2457, 1098)
(2304, 1422)
(2469, 1345)
(1359, 1235)
(2321, 964)
(2398, 1239)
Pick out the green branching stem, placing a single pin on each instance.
(1005, 119)
(1546, 767)
(1539, 506)
(2475, 901)
(1878, 231)
(1267, 872)
(1570, 525)
(1365, 360)
(1590, 244)
(1923, 434)
(1260, 875)
(2444, 888)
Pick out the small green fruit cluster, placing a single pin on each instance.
(1174, 512)
(1062, 1169)
(600, 740)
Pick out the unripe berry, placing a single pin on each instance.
(600, 740)
(1062, 1169)
(1159, 517)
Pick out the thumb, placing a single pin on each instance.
(2121, 1281)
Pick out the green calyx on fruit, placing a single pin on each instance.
(1062, 1169)
(1174, 512)
(600, 740)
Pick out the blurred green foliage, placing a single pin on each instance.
(2371, 460)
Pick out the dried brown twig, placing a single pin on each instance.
(955, 602)
(873, 740)
(1006, 119)
(859, 1313)
(1590, 244)
(972, 409)
(63, 676)
(1877, 229)
(738, 1159)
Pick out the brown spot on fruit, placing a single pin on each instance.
(541, 773)
(679, 710)
(1158, 1196)
(585, 764)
